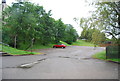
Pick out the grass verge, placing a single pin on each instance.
(38, 46)
(102, 56)
(82, 43)
(14, 51)
(64, 43)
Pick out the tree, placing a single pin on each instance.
(28, 24)
(22, 21)
(70, 34)
(59, 31)
(97, 37)
(87, 34)
(107, 15)
(47, 25)
(88, 28)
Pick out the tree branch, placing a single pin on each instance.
(112, 35)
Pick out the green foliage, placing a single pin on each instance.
(14, 51)
(82, 43)
(64, 43)
(93, 35)
(97, 37)
(28, 24)
(38, 46)
(0, 47)
(59, 31)
(107, 17)
(91, 30)
(102, 56)
(18, 21)
(87, 34)
(6, 35)
(70, 34)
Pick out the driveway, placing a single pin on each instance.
(73, 62)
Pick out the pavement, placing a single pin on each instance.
(73, 62)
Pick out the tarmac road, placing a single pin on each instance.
(73, 62)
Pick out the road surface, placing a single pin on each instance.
(73, 62)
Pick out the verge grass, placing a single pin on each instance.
(38, 46)
(14, 51)
(64, 43)
(102, 56)
(82, 43)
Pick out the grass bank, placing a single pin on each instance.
(14, 51)
(82, 43)
(102, 56)
(65, 43)
(38, 46)
(78, 43)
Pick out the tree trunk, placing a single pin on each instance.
(94, 46)
(32, 41)
(15, 41)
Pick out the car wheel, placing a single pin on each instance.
(63, 47)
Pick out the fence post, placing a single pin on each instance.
(106, 51)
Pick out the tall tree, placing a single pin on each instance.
(97, 37)
(107, 15)
(22, 21)
(70, 34)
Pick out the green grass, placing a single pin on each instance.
(14, 51)
(38, 46)
(64, 43)
(102, 56)
(82, 43)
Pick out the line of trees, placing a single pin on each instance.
(27, 24)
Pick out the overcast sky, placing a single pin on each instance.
(64, 9)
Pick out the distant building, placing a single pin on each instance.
(4, 5)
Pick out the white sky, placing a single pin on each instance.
(64, 9)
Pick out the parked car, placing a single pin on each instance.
(59, 46)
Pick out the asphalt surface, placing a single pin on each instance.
(73, 62)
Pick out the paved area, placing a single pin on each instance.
(73, 62)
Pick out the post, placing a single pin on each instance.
(106, 52)
(32, 44)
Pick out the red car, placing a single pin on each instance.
(59, 46)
